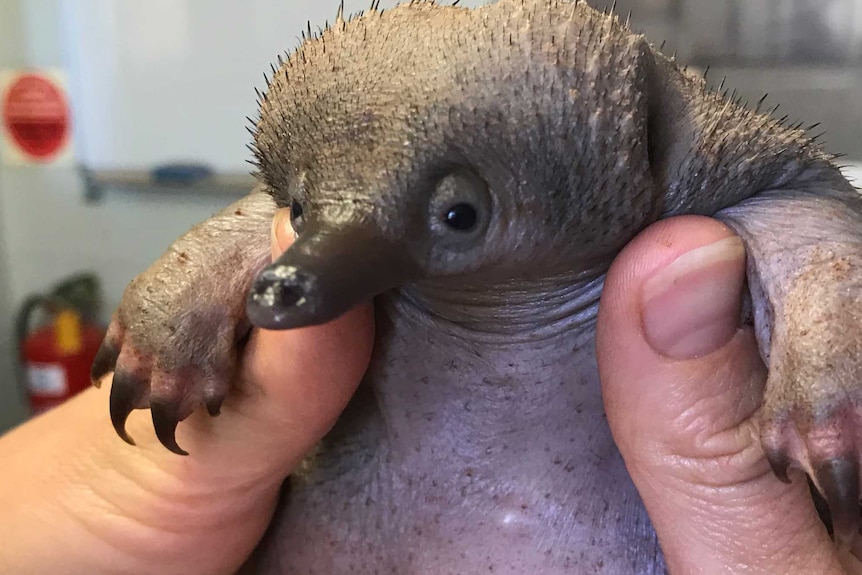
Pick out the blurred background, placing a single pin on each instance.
(125, 125)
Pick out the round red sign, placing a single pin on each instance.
(36, 116)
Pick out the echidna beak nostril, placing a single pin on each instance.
(275, 288)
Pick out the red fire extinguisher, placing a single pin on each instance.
(55, 357)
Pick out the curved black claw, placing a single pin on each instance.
(165, 422)
(104, 362)
(779, 462)
(839, 480)
(126, 393)
(213, 404)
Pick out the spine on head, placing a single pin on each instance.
(709, 150)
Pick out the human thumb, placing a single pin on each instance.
(682, 382)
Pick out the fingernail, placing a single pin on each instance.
(692, 307)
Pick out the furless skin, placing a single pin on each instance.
(476, 171)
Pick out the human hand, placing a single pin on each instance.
(683, 381)
(686, 427)
(76, 499)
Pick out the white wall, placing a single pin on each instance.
(11, 407)
(46, 230)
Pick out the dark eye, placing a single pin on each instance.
(295, 210)
(461, 217)
(460, 210)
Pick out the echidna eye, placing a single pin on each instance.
(461, 217)
(295, 210)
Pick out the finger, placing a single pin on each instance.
(293, 385)
(282, 232)
(328, 362)
(308, 375)
(681, 381)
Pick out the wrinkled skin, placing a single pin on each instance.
(477, 442)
